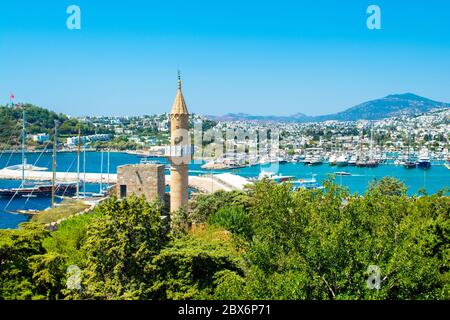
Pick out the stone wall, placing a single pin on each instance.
(141, 179)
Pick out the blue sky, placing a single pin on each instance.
(258, 57)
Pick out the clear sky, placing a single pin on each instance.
(259, 57)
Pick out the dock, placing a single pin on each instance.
(205, 183)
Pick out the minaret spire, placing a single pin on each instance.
(180, 153)
(179, 105)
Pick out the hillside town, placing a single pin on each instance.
(395, 138)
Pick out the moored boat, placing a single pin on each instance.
(278, 178)
(309, 184)
(315, 161)
(40, 191)
(424, 161)
(342, 173)
(409, 164)
(352, 161)
(332, 160)
(342, 161)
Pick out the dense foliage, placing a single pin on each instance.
(265, 243)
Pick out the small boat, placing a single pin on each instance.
(28, 212)
(307, 160)
(371, 164)
(278, 178)
(342, 173)
(361, 164)
(309, 184)
(27, 167)
(409, 164)
(315, 161)
(146, 160)
(447, 165)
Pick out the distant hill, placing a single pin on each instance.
(248, 117)
(389, 106)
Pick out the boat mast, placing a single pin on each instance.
(101, 174)
(361, 144)
(78, 162)
(371, 143)
(107, 180)
(24, 136)
(84, 170)
(409, 146)
(54, 162)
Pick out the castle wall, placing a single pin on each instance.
(141, 179)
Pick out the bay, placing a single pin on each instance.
(432, 180)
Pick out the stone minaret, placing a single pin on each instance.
(180, 154)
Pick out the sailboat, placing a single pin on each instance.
(40, 190)
(409, 163)
(371, 163)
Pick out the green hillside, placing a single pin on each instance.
(39, 120)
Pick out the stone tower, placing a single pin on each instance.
(180, 152)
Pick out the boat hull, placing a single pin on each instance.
(409, 165)
(342, 164)
(424, 165)
(39, 191)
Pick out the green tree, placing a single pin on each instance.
(204, 205)
(16, 249)
(234, 219)
(188, 268)
(121, 240)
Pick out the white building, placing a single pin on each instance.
(40, 137)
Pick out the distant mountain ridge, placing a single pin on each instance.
(389, 106)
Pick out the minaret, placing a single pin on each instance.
(180, 154)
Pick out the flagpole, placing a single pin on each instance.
(24, 137)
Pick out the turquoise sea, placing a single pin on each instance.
(433, 180)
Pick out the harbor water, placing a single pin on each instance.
(432, 180)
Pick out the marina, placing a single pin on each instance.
(355, 178)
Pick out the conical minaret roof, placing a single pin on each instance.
(179, 105)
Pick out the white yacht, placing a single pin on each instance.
(424, 161)
(353, 159)
(342, 161)
(332, 160)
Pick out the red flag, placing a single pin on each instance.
(11, 96)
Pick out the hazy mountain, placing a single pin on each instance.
(389, 106)
(248, 117)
